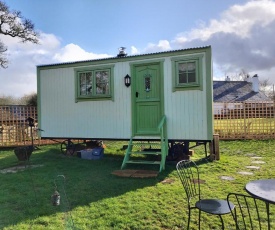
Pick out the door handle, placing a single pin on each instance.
(136, 94)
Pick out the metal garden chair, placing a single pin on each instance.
(189, 176)
(249, 212)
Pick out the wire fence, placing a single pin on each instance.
(232, 121)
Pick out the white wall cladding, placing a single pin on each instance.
(62, 117)
(187, 114)
(186, 111)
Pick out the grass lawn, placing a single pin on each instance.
(93, 198)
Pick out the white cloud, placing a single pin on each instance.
(50, 41)
(72, 52)
(163, 45)
(134, 50)
(20, 77)
(238, 20)
(243, 38)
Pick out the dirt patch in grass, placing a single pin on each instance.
(17, 168)
(135, 173)
(168, 181)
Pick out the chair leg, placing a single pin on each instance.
(199, 219)
(189, 216)
(268, 214)
(222, 221)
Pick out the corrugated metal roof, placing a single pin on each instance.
(236, 91)
(111, 58)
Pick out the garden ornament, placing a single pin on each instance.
(56, 196)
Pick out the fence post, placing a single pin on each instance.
(244, 119)
(214, 148)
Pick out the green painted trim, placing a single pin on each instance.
(109, 68)
(209, 93)
(38, 99)
(133, 91)
(145, 62)
(197, 58)
(162, 88)
(133, 94)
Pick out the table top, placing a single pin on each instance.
(263, 189)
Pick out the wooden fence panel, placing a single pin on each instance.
(14, 129)
(245, 121)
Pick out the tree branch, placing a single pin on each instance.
(13, 24)
(3, 59)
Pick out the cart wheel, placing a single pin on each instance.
(70, 149)
(67, 147)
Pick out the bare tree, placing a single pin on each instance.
(29, 99)
(7, 100)
(267, 88)
(13, 24)
(3, 59)
(243, 74)
(265, 84)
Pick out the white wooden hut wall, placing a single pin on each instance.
(65, 118)
(61, 116)
(185, 110)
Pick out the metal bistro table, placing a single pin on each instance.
(264, 190)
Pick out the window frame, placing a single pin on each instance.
(197, 85)
(94, 95)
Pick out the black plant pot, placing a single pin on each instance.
(23, 153)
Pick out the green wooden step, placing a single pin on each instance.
(146, 152)
(146, 142)
(147, 146)
(143, 162)
(139, 146)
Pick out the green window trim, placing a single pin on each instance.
(187, 73)
(94, 83)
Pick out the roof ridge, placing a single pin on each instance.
(115, 57)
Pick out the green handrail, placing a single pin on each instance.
(129, 149)
(162, 121)
(164, 141)
(164, 145)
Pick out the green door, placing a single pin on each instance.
(147, 98)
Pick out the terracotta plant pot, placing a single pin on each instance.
(23, 153)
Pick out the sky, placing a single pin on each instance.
(240, 32)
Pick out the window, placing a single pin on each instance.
(187, 73)
(147, 82)
(94, 84)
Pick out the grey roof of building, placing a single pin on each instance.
(236, 91)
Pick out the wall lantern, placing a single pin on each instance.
(127, 80)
